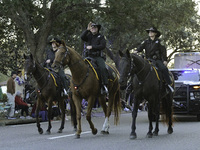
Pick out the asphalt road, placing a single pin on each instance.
(25, 137)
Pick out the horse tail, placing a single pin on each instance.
(73, 113)
(117, 106)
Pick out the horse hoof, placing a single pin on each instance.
(170, 131)
(133, 136)
(155, 133)
(59, 131)
(48, 132)
(77, 136)
(104, 132)
(149, 135)
(40, 131)
(94, 132)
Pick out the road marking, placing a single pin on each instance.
(68, 135)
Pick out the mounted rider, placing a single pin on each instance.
(96, 43)
(56, 45)
(156, 52)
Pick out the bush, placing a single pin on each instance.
(5, 98)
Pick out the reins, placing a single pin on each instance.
(141, 82)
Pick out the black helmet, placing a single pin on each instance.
(153, 29)
(96, 25)
(56, 40)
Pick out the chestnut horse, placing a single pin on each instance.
(47, 92)
(85, 85)
(146, 85)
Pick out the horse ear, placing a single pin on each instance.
(120, 53)
(128, 53)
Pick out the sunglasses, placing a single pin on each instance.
(94, 26)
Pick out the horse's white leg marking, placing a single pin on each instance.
(106, 124)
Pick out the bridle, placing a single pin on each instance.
(132, 66)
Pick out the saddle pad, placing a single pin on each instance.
(53, 77)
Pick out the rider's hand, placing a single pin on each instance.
(165, 63)
(89, 47)
(89, 26)
(135, 52)
(48, 61)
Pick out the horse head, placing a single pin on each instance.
(29, 65)
(61, 58)
(124, 68)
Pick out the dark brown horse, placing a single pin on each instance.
(47, 92)
(146, 85)
(85, 85)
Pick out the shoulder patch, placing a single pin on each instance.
(156, 41)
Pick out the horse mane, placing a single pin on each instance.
(74, 52)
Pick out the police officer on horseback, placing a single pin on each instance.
(56, 44)
(96, 43)
(156, 52)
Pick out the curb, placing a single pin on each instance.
(16, 121)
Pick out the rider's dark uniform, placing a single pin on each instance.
(156, 52)
(98, 44)
(51, 56)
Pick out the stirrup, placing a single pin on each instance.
(172, 90)
(65, 92)
(104, 90)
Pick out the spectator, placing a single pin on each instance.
(20, 104)
(42, 113)
(55, 111)
(10, 95)
(19, 84)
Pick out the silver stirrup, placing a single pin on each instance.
(172, 90)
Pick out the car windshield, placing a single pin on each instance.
(186, 75)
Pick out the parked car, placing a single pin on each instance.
(187, 92)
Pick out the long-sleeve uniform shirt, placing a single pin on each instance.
(153, 49)
(97, 42)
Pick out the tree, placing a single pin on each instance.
(25, 25)
(37, 19)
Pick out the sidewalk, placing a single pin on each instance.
(4, 121)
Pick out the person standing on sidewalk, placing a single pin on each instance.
(19, 83)
(11, 94)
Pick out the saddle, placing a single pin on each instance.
(112, 73)
(160, 75)
(57, 79)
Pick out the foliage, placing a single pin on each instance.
(26, 26)
(5, 98)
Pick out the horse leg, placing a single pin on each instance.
(133, 134)
(40, 130)
(106, 125)
(150, 115)
(91, 101)
(49, 116)
(155, 133)
(169, 110)
(77, 102)
(61, 106)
